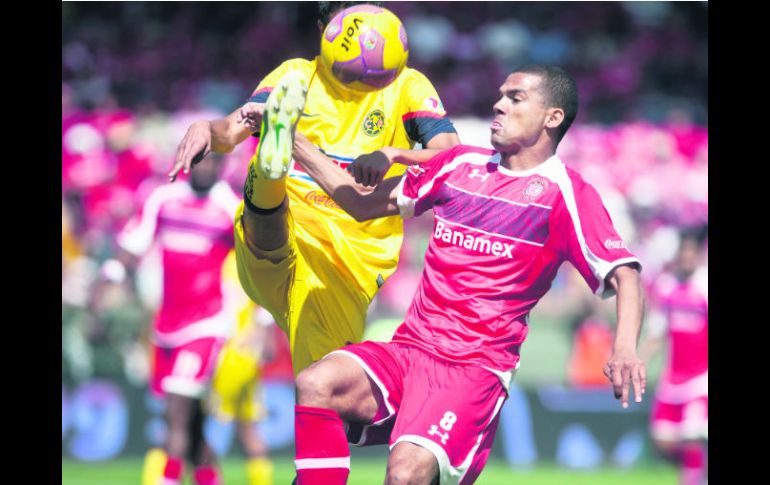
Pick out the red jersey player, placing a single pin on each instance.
(505, 220)
(193, 224)
(679, 419)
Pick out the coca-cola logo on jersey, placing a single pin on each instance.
(316, 198)
(610, 244)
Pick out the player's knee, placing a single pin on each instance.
(177, 442)
(315, 386)
(251, 441)
(265, 230)
(406, 473)
(411, 464)
(668, 448)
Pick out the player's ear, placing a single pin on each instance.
(554, 117)
(320, 27)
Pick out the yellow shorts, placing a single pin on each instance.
(312, 300)
(235, 389)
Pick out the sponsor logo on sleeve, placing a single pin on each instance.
(434, 104)
(614, 244)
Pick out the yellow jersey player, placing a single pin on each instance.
(301, 257)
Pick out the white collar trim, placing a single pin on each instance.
(539, 169)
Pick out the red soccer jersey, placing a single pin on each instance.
(499, 238)
(685, 305)
(195, 234)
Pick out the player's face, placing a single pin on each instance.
(205, 174)
(520, 115)
(688, 257)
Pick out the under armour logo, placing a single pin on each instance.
(476, 173)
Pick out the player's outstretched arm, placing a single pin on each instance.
(205, 136)
(362, 203)
(369, 169)
(625, 368)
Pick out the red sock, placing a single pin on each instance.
(323, 456)
(172, 473)
(693, 465)
(207, 475)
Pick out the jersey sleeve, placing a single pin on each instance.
(419, 184)
(264, 88)
(593, 245)
(139, 231)
(424, 115)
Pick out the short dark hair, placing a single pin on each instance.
(560, 91)
(697, 234)
(326, 9)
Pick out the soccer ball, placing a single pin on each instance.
(365, 47)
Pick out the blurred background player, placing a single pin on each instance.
(192, 223)
(300, 256)
(679, 419)
(235, 389)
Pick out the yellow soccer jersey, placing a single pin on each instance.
(345, 124)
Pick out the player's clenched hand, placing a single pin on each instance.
(250, 115)
(623, 370)
(369, 169)
(193, 148)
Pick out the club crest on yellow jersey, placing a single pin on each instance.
(374, 123)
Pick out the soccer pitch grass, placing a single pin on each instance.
(369, 471)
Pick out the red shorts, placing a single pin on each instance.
(450, 409)
(687, 420)
(186, 369)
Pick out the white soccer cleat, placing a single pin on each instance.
(279, 121)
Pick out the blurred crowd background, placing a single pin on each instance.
(136, 74)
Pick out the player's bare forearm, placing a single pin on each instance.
(203, 137)
(624, 368)
(443, 141)
(630, 307)
(129, 260)
(228, 132)
(360, 202)
(436, 145)
(412, 157)
(369, 169)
